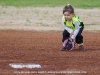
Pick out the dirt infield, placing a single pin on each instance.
(44, 48)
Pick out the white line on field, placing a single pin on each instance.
(21, 65)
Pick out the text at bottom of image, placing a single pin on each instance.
(50, 72)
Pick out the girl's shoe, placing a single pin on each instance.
(63, 49)
(81, 48)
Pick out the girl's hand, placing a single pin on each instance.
(71, 34)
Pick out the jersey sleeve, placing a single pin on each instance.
(77, 28)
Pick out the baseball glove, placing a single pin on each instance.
(68, 44)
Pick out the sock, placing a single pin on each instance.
(80, 44)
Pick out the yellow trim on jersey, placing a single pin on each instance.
(71, 24)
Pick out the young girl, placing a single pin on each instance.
(73, 26)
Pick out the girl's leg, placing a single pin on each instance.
(66, 34)
(79, 38)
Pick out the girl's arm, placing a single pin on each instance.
(77, 28)
(68, 29)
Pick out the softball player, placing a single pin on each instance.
(73, 26)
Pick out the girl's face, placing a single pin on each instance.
(68, 16)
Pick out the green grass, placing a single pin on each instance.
(51, 3)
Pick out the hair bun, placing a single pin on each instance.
(68, 4)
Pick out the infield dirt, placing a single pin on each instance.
(44, 48)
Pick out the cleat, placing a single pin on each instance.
(81, 48)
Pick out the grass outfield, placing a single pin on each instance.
(52, 3)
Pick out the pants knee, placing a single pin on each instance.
(79, 39)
